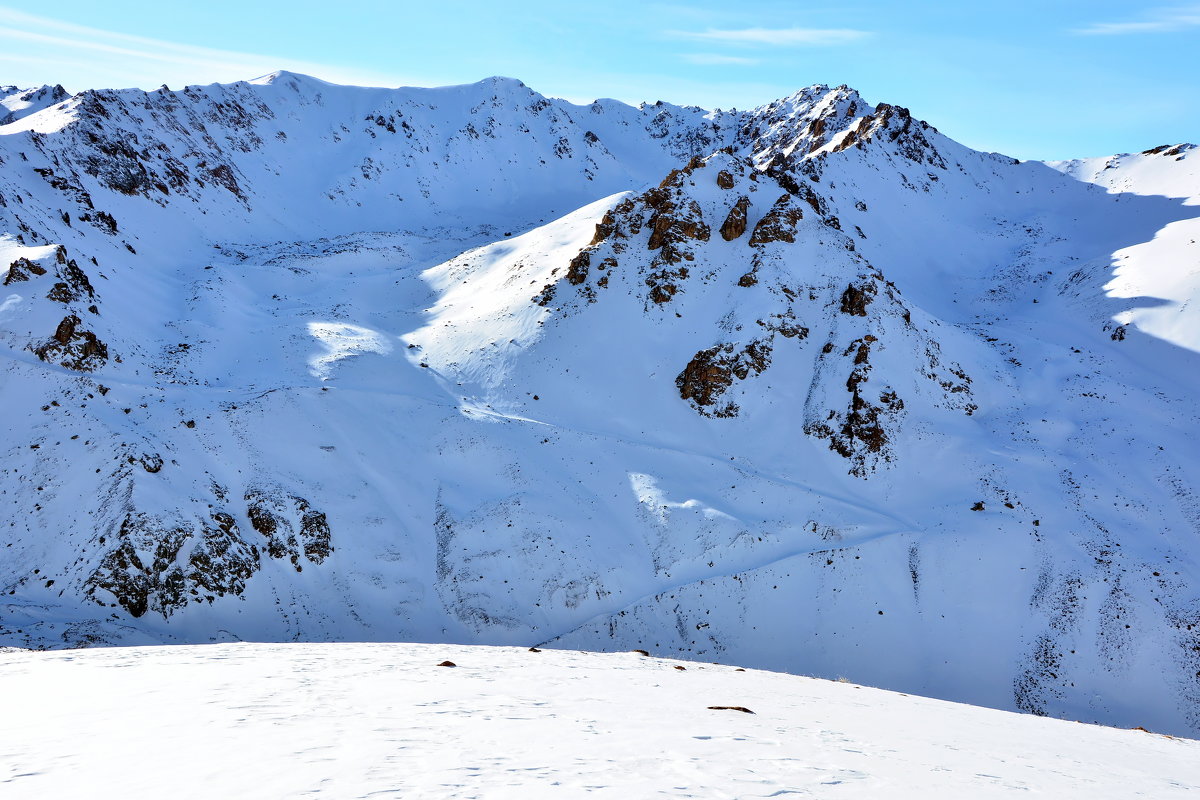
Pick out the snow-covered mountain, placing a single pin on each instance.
(363, 720)
(809, 387)
(16, 103)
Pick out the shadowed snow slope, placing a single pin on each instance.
(811, 387)
(359, 720)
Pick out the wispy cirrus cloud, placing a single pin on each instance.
(717, 59)
(1163, 20)
(50, 51)
(776, 37)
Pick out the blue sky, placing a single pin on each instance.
(1050, 79)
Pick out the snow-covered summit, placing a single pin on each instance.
(16, 103)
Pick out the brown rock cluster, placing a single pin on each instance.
(735, 223)
(22, 270)
(72, 347)
(711, 372)
(778, 224)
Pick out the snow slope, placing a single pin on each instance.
(1163, 268)
(16, 103)
(362, 720)
(810, 387)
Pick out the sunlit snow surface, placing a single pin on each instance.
(338, 341)
(1162, 275)
(363, 720)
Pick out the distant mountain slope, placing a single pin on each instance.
(16, 103)
(810, 387)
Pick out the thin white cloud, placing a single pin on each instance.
(1165, 20)
(115, 60)
(776, 37)
(716, 59)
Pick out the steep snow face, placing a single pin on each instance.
(810, 387)
(1159, 274)
(361, 720)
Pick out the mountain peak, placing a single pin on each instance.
(503, 81)
(16, 103)
(295, 79)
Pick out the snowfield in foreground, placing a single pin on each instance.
(358, 720)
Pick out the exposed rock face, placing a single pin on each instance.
(161, 565)
(711, 372)
(856, 298)
(119, 166)
(291, 527)
(859, 432)
(735, 224)
(315, 536)
(785, 324)
(578, 271)
(672, 224)
(896, 125)
(1176, 150)
(73, 283)
(675, 218)
(677, 226)
(804, 122)
(778, 224)
(22, 270)
(607, 226)
(72, 347)
(222, 174)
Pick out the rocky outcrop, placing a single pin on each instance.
(673, 222)
(162, 566)
(711, 372)
(315, 536)
(735, 223)
(785, 324)
(778, 224)
(802, 123)
(855, 299)
(859, 431)
(73, 347)
(1176, 150)
(118, 166)
(222, 175)
(291, 527)
(22, 270)
(73, 283)
(577, 271)
(896, 125)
